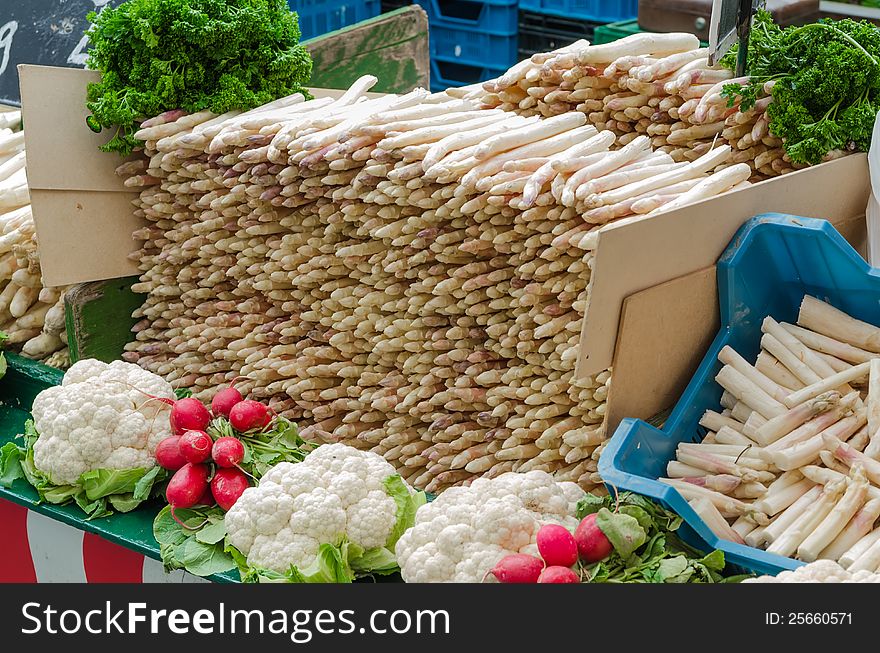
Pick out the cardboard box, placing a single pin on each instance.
(82, 210)
(633, 256)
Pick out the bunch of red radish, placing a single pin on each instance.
(559, 551)
(190, 451)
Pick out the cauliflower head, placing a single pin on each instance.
(462, 534)
(338, 492)
(820, 571)
(100, 418)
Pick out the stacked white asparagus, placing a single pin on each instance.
(398, 273)
(31, 315)
(792, 461)
(659, 86)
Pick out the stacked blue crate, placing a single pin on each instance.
(471, 41)
(317, 17)
(600, 11)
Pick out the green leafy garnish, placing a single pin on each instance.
(646, 547)
(196, 544)
(826, 91)
(161, 55)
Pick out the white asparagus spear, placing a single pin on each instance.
(639, 44)
(743, 527)
(817, 424)
(465, 137)
(846, 508)
(803, 453)
(789, 516)
(788, 542)
(768, 365)
(859, 548)
(818, 316)
(728, 506)
(749, 393)
(860, 525)
(781, 425)
(794, 364)
(873, 406)
(724, 483)
(676, 469)
(707, 511)
(668, 65)
(728, 356)
(851, 457)
(828, 383)
(827, 345)
(727, 435)
(868, 561)
(824, 476)
(715, 421)
(614, 160)
(810, 358)
(717, 183)
(775, 502)
(696, 168)
(523, 136)
(598, 143)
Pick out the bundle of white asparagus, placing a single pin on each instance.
(792, 461)
(404, 274)
(657, 85)
(31, 315)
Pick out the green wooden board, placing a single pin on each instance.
(98, 317)
(393, 47)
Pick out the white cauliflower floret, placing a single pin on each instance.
(462, 534)
(100, 417)
(337, 491)
(820, 571)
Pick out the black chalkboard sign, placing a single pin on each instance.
(46, 32)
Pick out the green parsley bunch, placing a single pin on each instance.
(827, 83)
(159, 55)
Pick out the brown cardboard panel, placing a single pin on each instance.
(84, 235)
(664, 334)
(56, 136)
(632, 256)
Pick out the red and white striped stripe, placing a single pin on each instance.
(37, 548)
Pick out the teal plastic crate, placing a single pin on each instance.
(603, 11)
(772, 262)
(449, 73)
(317, 17)
(492, 16)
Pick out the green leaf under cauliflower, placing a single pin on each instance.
(196, 544)
(98, 492)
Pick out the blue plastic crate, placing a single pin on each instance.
(445, 73)
(317, 17)
(474, 47)
(772, 262)
(491, 16)
(603, 11)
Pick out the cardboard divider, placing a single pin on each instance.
(633, 256)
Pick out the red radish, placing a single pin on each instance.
(248, 415)
(195, 446)
(227, 452)
(557, 574)
(557, 546)
(189, 414)
(187, 486)
(224, 400)
(207, 499)
(227, 485)
(518, 568)
(593, 546)
(168, 454)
